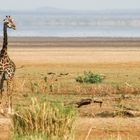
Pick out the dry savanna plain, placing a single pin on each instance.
(113, 113)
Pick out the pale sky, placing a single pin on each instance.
(70, 4)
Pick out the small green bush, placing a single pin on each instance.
(89, 77)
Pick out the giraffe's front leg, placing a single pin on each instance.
(9, 96)
(1, 96)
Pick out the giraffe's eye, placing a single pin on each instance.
(5, 21)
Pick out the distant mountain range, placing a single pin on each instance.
(49, 10)
(52, 10)
(59, 11)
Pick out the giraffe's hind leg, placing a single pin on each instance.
(1, 88)
(1, 84)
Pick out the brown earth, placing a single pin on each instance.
(5, 125)
(73, 50)
(108, 128)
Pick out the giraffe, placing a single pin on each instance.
(7, 66)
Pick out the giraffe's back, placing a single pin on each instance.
(7, 66)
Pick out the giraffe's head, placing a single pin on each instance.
(9, 22)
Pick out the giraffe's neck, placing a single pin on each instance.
(5, 37)
(3, 52)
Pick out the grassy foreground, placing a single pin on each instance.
(54, 86)
(44, 120)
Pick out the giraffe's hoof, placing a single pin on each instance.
(2, 111)
(10, 111)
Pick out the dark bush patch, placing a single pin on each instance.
(89, 77)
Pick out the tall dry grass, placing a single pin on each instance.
(44, 120)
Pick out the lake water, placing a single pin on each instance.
(76, 25)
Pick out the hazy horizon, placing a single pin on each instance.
(75, 24)
(56, 18)
(71, 5)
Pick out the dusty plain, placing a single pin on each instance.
(118, 59)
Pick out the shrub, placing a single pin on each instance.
(44, 120)
(89, 77)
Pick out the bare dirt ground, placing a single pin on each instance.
(63, 50)
(5, 126)
(76, 54)
(108, 128)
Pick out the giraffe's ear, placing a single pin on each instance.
(5, 20)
